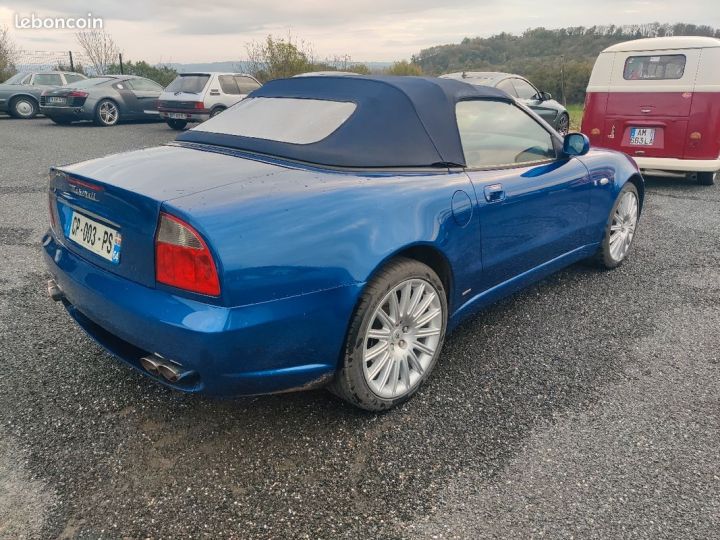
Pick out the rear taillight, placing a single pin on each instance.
(52, 212)
(78, 93)
(199, 105)
(182, 259)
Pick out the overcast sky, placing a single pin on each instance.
(372, 30)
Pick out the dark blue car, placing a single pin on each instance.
(328, 231)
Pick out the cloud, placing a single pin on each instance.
(189, 31)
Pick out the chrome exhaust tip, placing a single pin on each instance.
(150, 364)
(169, 372)
(54, 291)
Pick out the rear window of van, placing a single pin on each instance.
(654, 68)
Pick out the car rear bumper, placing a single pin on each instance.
(192, 115)
(281, 345)
(69, 113)
(681, 165)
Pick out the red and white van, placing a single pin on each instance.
(658, 100)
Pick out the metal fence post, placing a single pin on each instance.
(121, 65)
(72, 65)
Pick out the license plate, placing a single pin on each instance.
(56, 100)
(177, 116)
(642, 136)
(93, 236)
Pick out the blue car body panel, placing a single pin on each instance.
(295, 245)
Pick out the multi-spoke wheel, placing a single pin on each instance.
(107, 113)
(395, 337)
(621, 227)
(563, 125)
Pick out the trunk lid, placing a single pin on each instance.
(125, 192)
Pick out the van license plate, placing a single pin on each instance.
(642, 136)
(94, 236)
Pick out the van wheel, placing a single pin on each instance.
(706, 178)
(395, 337)
(177, 125)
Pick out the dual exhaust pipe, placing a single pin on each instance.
(157, 365)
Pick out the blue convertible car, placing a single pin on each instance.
(328, 231)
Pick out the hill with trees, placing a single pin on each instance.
(539, 53)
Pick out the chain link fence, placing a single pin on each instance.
(34, 61)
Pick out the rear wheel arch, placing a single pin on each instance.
(217, 109)
(637, 180)
(429, 256)
(436, 260)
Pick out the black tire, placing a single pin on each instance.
(101, 119)
(350, 383)
(216, 111)
(706, 178)
(23, 107)
(177, 125)
(563, 124)
(61, 121)
(604, 256)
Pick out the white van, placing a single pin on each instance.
(658, 100)
(195, 97)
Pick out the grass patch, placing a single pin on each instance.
(576, 112)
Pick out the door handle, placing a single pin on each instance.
(494, 193)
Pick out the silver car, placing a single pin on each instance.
(104, 100)
(20, 94)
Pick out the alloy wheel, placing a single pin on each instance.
(108, 113)
(563, 125)
(402, 338)
(622, 229)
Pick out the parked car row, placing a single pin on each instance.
(67, 97)
(658, 100)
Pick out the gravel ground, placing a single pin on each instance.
(586, 406)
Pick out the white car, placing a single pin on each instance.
(195, 97)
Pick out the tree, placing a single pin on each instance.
(8, 54)
(536, 54)
(275, 58)
(403, 67)
(99, 48)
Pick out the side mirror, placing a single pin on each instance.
(544, 96)
(576, 144)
